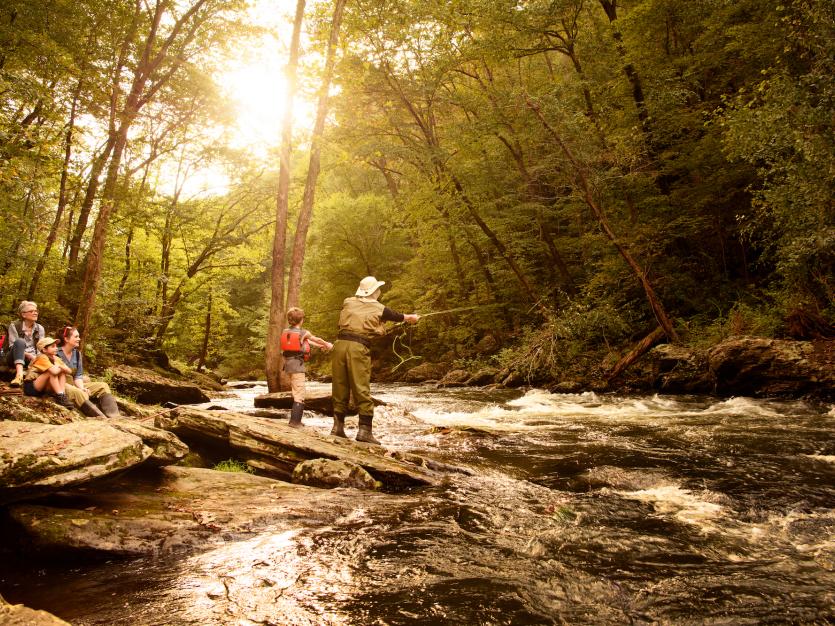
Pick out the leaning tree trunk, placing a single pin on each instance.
(274, 360)
(657, 308)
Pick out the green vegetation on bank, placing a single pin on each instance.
(577, 169)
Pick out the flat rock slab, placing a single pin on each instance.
(274, 445)
(175, 509)
(166, 448)
(36, 459)
(20, 408)
(318, 403)
(19, 615)
(151, 388)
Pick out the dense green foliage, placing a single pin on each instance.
(469, 145)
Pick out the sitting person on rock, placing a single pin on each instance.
(47, 374)
(22, 340)
(295, 346)
(79, 391)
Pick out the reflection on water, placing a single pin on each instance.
(585, 509)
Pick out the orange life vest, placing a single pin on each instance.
(293, 345)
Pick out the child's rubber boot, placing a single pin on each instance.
(296, 414)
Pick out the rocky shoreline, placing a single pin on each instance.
(738, 366)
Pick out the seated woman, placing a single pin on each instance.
(22, 339)
(47, 374)
(80, 392)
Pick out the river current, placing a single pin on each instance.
(583, 509)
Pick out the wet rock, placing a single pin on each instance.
(19, 615)
(241, 385)
(758, 366)
(328, 474)
(421, 461)
(566, 386)
(318, 403)
(171, 509)
(204, 381)
(151, 388)
(678, 369)
(274, 444)
(455, 378)
(484, 376)
(166, 448)
(425, 372)
(462, 431)
(36, 459)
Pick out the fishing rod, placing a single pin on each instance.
(460, 308)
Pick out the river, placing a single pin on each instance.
(584, 509)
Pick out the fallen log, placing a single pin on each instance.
(641, 348)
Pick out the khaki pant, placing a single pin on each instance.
(94, 389)
(297, 386)
(351, 374)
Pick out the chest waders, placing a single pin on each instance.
(359, 321)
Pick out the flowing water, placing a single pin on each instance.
(584, 509)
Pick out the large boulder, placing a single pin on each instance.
(172, 509)
(757, 366)
(678, 369)
(327, 473)
(277, 448)
(36, 459)
(426, 371)
(484, 376)
(455, 378)
(148, 387)
(316, 402)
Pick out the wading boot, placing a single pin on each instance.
(364, 432)
(89, 409)
(338, 429)
(296, 414)
(64, 401)
(108, 405)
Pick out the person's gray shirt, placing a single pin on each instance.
(31, 348)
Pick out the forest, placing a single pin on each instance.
(564, 177)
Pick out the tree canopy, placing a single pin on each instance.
(576, 173)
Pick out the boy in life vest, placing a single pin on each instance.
(295, 346)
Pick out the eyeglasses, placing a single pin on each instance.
(31, 311)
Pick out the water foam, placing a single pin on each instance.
(681, 504)
(826, 458)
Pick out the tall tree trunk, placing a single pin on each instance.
(657, 308)
(147, 74)
(207, 332)
(294, 284)
(62, 195)
(274, 361)
(95, 254)
(611, 10)
(120, 297)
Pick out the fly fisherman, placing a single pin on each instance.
(362, 319)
